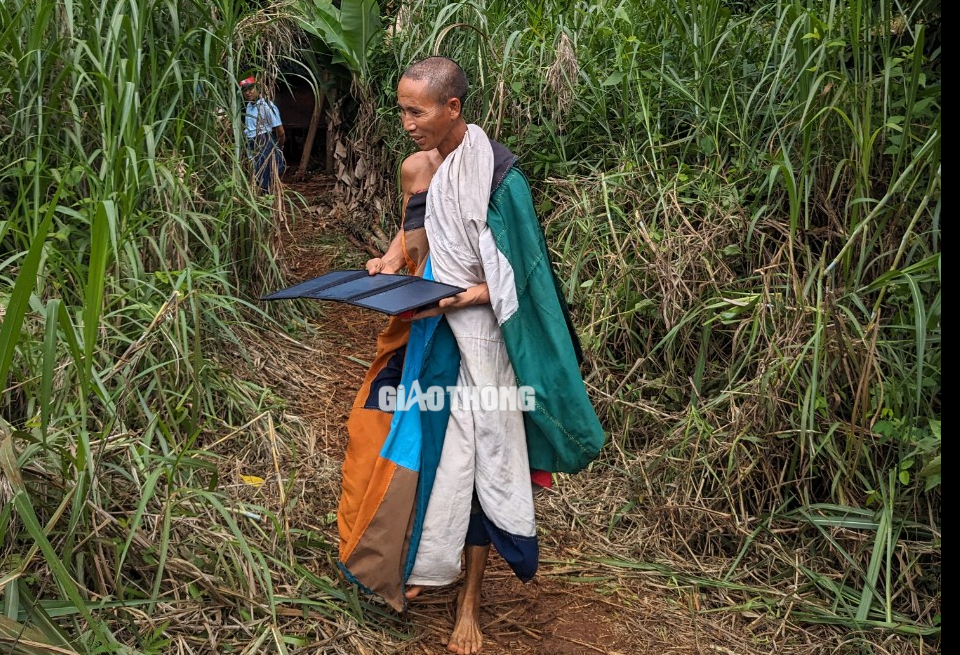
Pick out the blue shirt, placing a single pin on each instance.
(260, 118)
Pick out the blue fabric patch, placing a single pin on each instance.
(438, 366)
(402, 445)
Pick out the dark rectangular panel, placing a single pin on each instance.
(390, 294)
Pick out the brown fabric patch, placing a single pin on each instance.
(378, 558)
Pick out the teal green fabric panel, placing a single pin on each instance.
(440, 368)
(563, 432)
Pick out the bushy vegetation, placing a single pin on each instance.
(130, 244)
(743, 200)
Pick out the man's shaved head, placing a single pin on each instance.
(444, 78)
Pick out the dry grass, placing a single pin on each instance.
(623, 570)
(629, 564)
(561, 79)
(268, 37)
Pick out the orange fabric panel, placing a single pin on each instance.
(366, 477)
(368, 430)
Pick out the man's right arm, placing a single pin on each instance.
(393, 260)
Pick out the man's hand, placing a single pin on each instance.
(381, 265)
(478, 295)
(392, 261)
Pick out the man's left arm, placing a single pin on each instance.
(480, 240)
(476, 295)
(277, 125)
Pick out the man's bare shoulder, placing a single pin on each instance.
(421, 162)
(417, 170)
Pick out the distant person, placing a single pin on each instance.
(265, 135)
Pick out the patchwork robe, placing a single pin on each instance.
(388, 532)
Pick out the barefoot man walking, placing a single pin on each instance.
(475, 400)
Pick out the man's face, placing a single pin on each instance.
(427, 120)
(250, 92)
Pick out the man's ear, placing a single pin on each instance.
(454, 107)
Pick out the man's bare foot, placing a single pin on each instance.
(412, 592)
(466, 638)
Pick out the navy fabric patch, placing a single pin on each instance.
(477, 531)
(389, 376)
(416, 211)
(521, 553)
(503, 161)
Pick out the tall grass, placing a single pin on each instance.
(744, 204)
(130, 245)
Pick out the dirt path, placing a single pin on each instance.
(577, 604)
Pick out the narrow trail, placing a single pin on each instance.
(581, 601)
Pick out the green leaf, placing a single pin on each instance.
(49, 361)
(931, 473)
(100, 240)
(19, 639)
(884, 428)
(350, 31)
(21, 501)
(22, 290)
(613, 79)
(361, 24)
(37, 616)
(708, 145)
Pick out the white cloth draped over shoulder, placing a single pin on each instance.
(483, 449)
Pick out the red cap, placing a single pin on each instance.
(248, 81)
